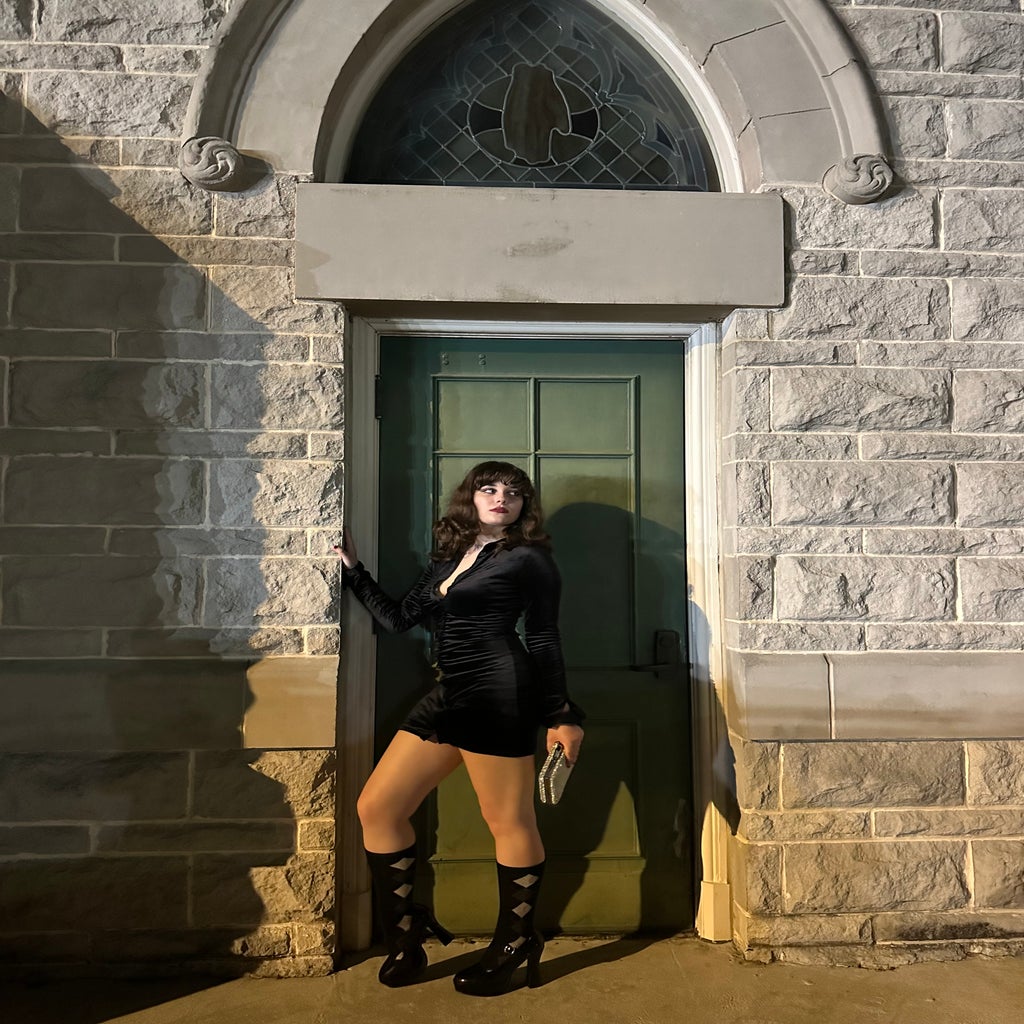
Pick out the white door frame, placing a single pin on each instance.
(705, 625)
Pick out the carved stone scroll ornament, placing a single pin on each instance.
(213, 164)
(859, 179)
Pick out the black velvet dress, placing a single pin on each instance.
(493, 693)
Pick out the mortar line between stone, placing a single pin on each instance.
(831, 697)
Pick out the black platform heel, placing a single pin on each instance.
(406, 959)
(406, 924)
(515, 941)
(493, 976)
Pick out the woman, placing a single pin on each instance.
(491, 564)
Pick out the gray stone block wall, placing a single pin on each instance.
(170, 429)
(170, 423)
(872, 430)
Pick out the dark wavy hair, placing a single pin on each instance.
(458, 527)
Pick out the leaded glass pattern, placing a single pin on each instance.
(530, 93)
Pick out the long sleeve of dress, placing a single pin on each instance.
(544, 588)
(394, 616)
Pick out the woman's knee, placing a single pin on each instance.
(374, 808)
(505, 822)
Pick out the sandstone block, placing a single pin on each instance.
(988, 310)
(14, 441)
(757, 775)
(90, 787)
(925, 927)
(131, 21)
(995, 771)
(999, 872)
(934, 264)
(795, 636)
(85, 103)
(267, 210)
(106, 394)
(982, 43)
(855, 587)
(984, 130)
(980, 355)
(949, 636)
(990, 495)
(805, 825)
(196, 837)
(751, 503)
(858, 308)
(756, 873)
(116, 296)
(902, 221)
(747, 399)
(204, 250)
(992, 589)
(960, 173)
(269, 784)
(117, 201)
(808, 930)
(983, 219)
(49, 840)
(323, 640)
(59, 540)
(858, 493)
(896, 39)
(837, 398)
(277, 397)
(276, 493)
(215, 444)
(317, 834)
(937, 83)
(142, 946)
(749, 587)
(171, 60)
(824, 878)
(121, 591)
(202, 643)
(959, 822)
(150, 152)
(327, 446)
(919, 128)
(72, 489)
(58, 247)
(313, 939)
(797, 353)
(822, 261)
(944, 447)
(254, 298)
(66, 344)
(249, 890)
(250, 348)
(203, 541)
(845, 774)
(785, 447)
(16, 19)
(9, 198)
(50, 643)
(270, 592)
(89, 893)
(792, 540)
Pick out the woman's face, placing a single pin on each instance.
(497, 504)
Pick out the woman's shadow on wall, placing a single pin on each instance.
(177, 607)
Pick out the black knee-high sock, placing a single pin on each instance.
(393, 875)
(518, 889)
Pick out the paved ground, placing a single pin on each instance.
(586, 982)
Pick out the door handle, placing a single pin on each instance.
(666, 652)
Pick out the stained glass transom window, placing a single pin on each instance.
(530, 93)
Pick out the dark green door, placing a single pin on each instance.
(598, 425)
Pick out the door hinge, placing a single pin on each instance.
(377, 397)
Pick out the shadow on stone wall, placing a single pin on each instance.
(150, 553)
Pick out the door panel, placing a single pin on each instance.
(598, 426)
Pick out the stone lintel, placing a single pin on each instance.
(293, 703)
(523, 247)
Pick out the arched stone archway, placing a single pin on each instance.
(780, 86)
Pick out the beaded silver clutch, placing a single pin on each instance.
(553, 776)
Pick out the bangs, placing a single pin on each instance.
(501, 473)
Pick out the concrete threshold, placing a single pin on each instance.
(587, 981)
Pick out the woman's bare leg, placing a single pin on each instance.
(504, 787)
(408, 771)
